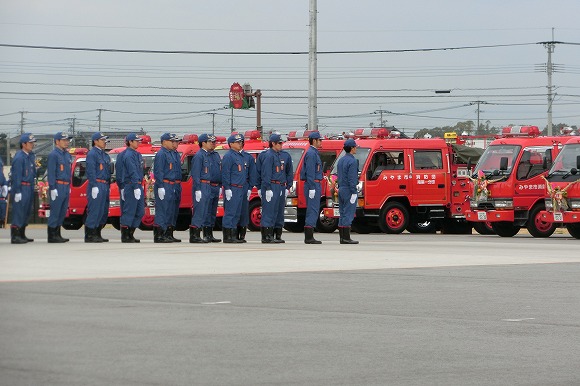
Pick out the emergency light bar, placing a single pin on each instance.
(293, 135)
(377, 132)
(252, 134)
(145, 139)
(78, 150)
(189, 138)
(520, 131)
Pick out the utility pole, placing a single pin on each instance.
(381, 111)
(22, 121)
(232, 121)
(212, 123)
(312, 87)
(478, 111)
(100, 110)
(549, 69)
(72, 126)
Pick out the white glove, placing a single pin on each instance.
(198, 195)
(353, 198)
(53, 194)
(228, 194)
(4, 191)
(260, 193)
(220, 192)
(286, 193)
(17, 197)
(94, 192)
(137, 193)
(123, 194)
(161, 193)
(269, 195)
(311, 193)
(249, 194)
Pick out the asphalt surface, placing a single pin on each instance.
(395, 309)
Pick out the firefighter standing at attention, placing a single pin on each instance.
(58, 174)
(23, 173)
(347, 168)
(165, 181)
(134, 206)
(311, 174)
(99, 176)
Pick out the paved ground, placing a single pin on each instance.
(396, 309)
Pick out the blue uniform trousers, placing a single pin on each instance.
(21, 210)
(270, 210)
(164, 208)
(312, 206)
(212, 205)
(2, 209)
(201, 208)
(233, 207)
(279, 223)
(98, 208)
(59, 206)
(346, 209)
(176, 203)
(245, 210)
(133, 209)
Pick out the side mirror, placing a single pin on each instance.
(545, 163)
(469, 164)
(503, 163)
(574, 171)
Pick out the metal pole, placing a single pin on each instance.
(22, 122)
(232, 121)
(550, 46)
(100, 119)
(312, 87)
(258, 95)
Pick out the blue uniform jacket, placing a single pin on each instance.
(2, 178)
(132, 169)
(252, 170)
(176, 171)
(200, 168)
(215, 168)
(23, 170)
(286, 161)
(119, 169)
(163, 167)
(98, 166)
(259, 162)
(59, 166)
(311, 168)
(235, 170)
(272, 169)
(347, 169)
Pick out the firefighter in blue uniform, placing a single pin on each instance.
(119, 176)
(286, 161)
(215, 191)
(134, 207)
(250, 183)
(201, 173)
(273, 180)
(99, 177)
(23, 173)
(311, 174)
(3, 194)
(175, 139)
(59, 175)
(165, 181)
(235, 174)
(347, 169)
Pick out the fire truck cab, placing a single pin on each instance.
(418, 185)
(507, 186)
(563, 187)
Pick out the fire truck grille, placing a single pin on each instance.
(485, 206)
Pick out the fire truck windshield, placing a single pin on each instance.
(296, 155)
(491, 158)
(362, 153)
(566, 159)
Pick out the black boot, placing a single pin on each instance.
(91, 236)
(132, 234)
(60, 237)
(53, 235)
(159, 236)
(278, 235)
(309, 236)
(208, 235)
(99, 229)
(23, 234)
(345, 236)
(267, 235)
(126, 235)
(230, 236)
(169, 235)
(194, 235)
(241, 234)
(15, 237)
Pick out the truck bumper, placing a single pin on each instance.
(566, 217)
(489, 216)
(290, 214)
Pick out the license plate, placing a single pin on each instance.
(336, 212)
(558, 217)
(482, 216)
(47, 213)
(152, 211)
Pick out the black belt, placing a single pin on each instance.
(237, 186)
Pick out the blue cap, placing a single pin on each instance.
(314, 135)
(206, 138)
(166, 137)
(350, 143)
(236, 138)
(276, 138)
(175, 137)
(133, 137)
(27, 137)
(62, 135)
(98, 136)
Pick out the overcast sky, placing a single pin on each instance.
(179, 92)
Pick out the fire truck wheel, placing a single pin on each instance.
(422, 226)
(483, 228)
(255, 209)
(574, 230)
(326, 224)
(394, 218)
(505, 228)
(536, 226)
(73, 223)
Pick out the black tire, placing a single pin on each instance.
(505, 228)
(394, 218)
(536, 226)
(255, 215)
(362, 227)
(483, 228)
(326, 224)
(295, 227)
(72, 223)
(455, 227)
(574, 230)
(422, 226)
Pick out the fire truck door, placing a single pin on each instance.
(529, 182)
(387, 176)
(429, 184)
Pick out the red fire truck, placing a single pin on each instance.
(418, 185)
(508, 188)
(563, 186)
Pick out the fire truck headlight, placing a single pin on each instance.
(548, 204)
(359, 188)
(503, 204)
(114, 203)
(292, 190)
(473, 204)
(221, 202)
(575, 204)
